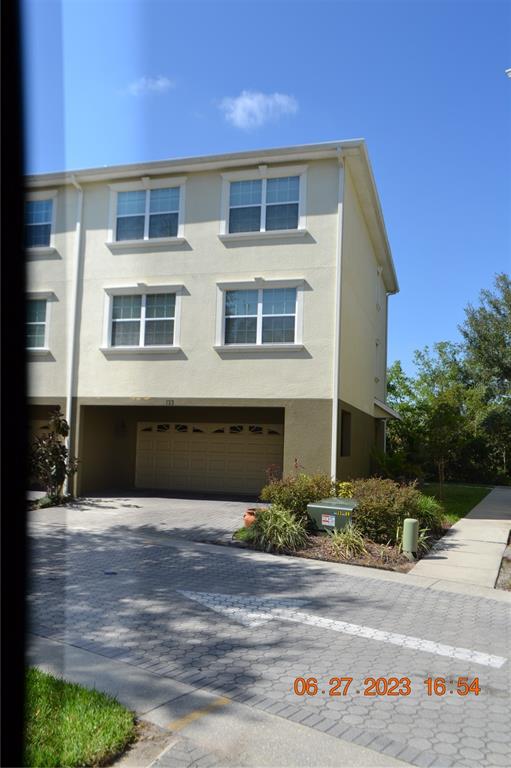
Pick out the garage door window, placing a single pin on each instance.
(143, 320)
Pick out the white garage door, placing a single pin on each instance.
(207, 457)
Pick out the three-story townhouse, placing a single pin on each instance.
(202, 320)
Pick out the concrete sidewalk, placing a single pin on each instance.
(471, 552)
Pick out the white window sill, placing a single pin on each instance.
(152, 244)
(275, 234)
(41, 252)
(34, 352)
(258, 348)
(162, 349)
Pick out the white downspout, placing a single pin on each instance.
(337, 319)
(73, 325)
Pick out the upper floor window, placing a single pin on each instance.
(143, 320)
(38, 223)
(260, 316)
(36, 324)
(268, 204)
(145, 214)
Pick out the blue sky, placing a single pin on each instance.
(122, 81)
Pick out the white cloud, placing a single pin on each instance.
(252, 109)
(150, 85)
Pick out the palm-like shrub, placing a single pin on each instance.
(348, 542)
(277, 529)
(429, 512)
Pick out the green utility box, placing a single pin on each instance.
(331, 514)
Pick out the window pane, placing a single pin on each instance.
(245, 219)
(126, 334)
(37, 235)
(130, 228)
(283, 190)
(282, 216)
(126, 307)
(240, 330)
(279, 301)
(163, 225)
(159, 332)
(35, 335)
(164, 200)
(38, 211)
(160, 305)
(36, 310)
(278, 330)
(241, 303)
(130, 203)
(246, 192)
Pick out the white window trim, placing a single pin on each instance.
(49, 297)
(259, 283)
(264, 172)
(38, 251)
(141, 289)
(145, 183)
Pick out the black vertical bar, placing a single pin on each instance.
(13, 418)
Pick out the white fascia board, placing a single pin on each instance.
(200, 163)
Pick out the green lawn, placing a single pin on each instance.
(67, 725)
(458, 499)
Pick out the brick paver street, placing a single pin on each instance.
(127, 596)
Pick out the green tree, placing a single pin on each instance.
(487, 334)
(49, 458)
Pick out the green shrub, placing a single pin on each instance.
(429, 512)
(382, 505)
(348, 542)
(277, 529)
(344, 490)
(243, 534)
(294, 492)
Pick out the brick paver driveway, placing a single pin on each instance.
(160, 604)
(198, 519)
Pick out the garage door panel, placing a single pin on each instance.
(206, 456)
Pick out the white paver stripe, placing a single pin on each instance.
(254, 611)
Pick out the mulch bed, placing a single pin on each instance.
(388, 557)
(377, 555)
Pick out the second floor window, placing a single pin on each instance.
(38, 220)
(143, 320)
(264, 204)
(262, 316)
(147, 213)
(36, 324)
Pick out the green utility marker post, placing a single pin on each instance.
(410, 537)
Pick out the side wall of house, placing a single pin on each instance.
(363, 336)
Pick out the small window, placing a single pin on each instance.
(163, 427)
(147, 214)
(147, 429)
(143, 320)
(196, 429)
(221, 430)
(235, 429)
(255, 429)
(273, 432)
(263, 316)
(36, 324)
(38, 221)
(345, 433)
(181, 427)
(264, 204)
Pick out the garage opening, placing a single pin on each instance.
(226, 456)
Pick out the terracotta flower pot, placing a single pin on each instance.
(249, 517)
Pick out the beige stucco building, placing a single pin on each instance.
(202, 319)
